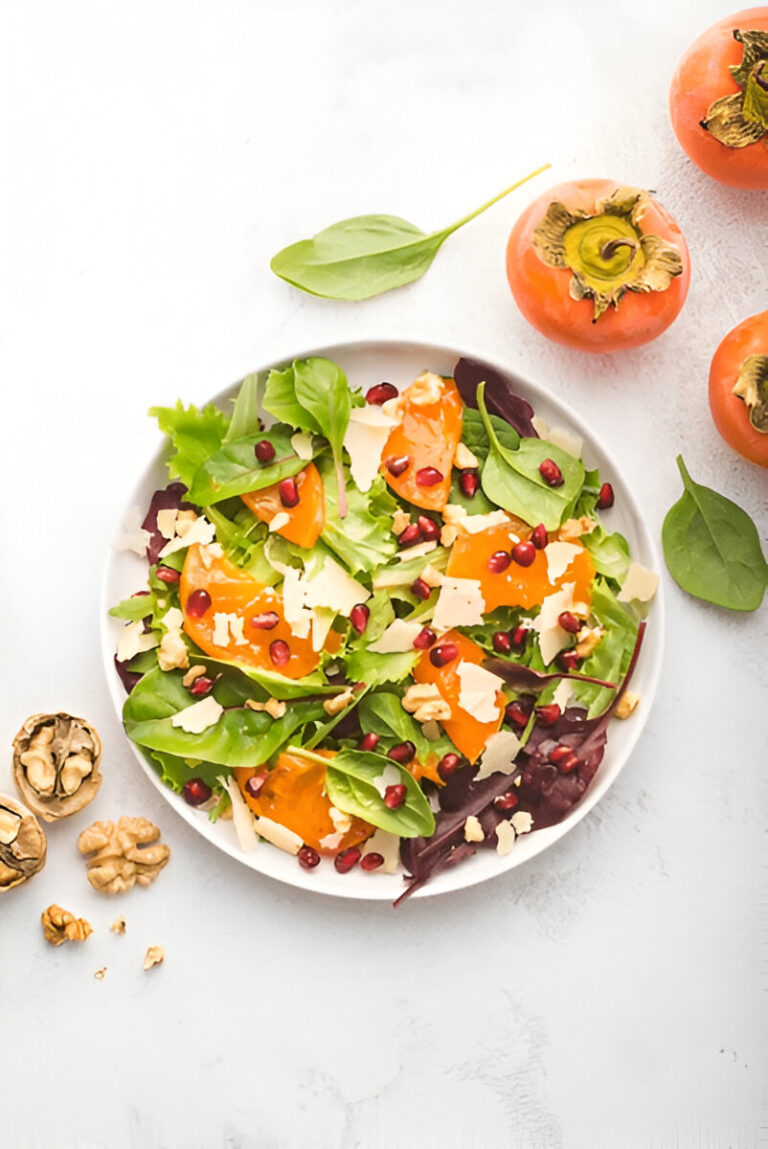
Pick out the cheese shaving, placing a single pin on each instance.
(199, 716)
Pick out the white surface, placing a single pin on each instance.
(608, 994)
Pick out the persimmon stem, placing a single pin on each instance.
(609, 249)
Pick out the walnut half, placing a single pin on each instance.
(61, 926)
(22, 844)
(56, 764)
(123, 854)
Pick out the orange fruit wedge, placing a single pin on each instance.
(468, 735)
(306, 520)
(427, 437)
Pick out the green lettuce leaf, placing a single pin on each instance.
(234, 469)
(610, 658)
(382, 713)
(351, 788)
(195, 435)
(363, 540)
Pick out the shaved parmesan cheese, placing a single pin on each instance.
(173, 618)
(341, 820)
(242, 818)
(552, 637)
(476, 523)
(331, 841)
(220, 629)
(499, 755)
(473, 831)
(236, 630)
(522, 821)
(200, 531)
(278, 521)
(397, 638)
(478, 690)
(302, 445)
(386, 844)
(417, 551)
(460, 603)
(199, 716)
(335, 589)
(559, 557)
(640, 584)
(134, 639)
(166, 522)
(294, 611)
(505, 838)
(322, 620)
(209, 553)
(133, 537)
(563, 693)
(390, 776)
(278, 835)
(367, 432)
(567, 440)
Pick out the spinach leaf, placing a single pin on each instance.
(323, 390)
(280, 400)
(234, 469)
(364, 540)
(610, 553)
(611, 657)
(712, 548)
(351, 788)
(195, 435)
(132, 609)
(246, 418)
(368, 254)
(382, 713)
(175, 771)
(376, 669)
(474, 434)
(511, 479)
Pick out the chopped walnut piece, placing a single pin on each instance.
(425, 702)
(193, 673)
(339, 702)
(448, 534)
(118, 925)
(428, 388)
(172, 653)
(56, 764)
(400, 521)
(573, 529)
(431, 576)
(155, 955)
(100, 974)
(183, 522)
(430, 730)
(274, 707)
(22, 844)
(61, 926)
(589, 638)
(464, 457)
(473, 831)
(124, 853)
(626, 705)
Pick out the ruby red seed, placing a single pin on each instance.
(547, 715)
(519, 636)
(359, 616)
(539, 537)
(369, 741)
(421, 589)
(424, 639)
(568, 764)
(394, 796)
(255, 783)
(568, 660)
(569, 622)
(410, 535)
(517, 714)
(506, 801)
(348, 858)
(167, 574)
(280, 652)
(447, 765)
(195, 792)
(264, 451)
(606, 497)
(402, 753)
(308, 858)
(469, 481)
(429, 477)
(443, 654)
(266, 621)
(428, 527)
(371, 861)
(201, 685)
(397, 465)
(380, 393)
(289, 492)
(198, 603)
(524, 554)
(551, 473)
(502, 643)
(559, 753)
(499, 561)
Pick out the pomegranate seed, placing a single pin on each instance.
(502, 643)
(410, 535)
(568, 764)
(499, 561)
(551, 473)
(394, 796)
(397, 464)
(279, 652)
(421, 589)
(347, 859)
(568, 660)
(198, 603)
(428, 527)
(518, 712)
(547, 715)
(446, 652)
(308, 858)
(605, 498)
(424, 639)
(201, 685)
(380, 393)
(167, 574)
(524, 554)
(519, 636)
(559, 753)
(255, 784)
(447, 765)
(371, 861)
(289, 492)
(369, 741)
(403, 753)
(539, 537)
(569, 622)
(359, 616)
(506, 801)
(469, 481)
(195, 792)
(429, 477)
(264, 451)
(266, 621)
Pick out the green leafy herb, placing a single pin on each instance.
(712, 548)
(376, 669)
(280, 400)
(195, 435)
(364, 541)
(234, 469)
(175, 771)
(611, 657)
(246, 418)
(610, 553)
(351, 788)
(323, 390)
(382, 713)
(368, 254)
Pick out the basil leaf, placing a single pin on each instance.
(195, 435)
(350, 786)
(235, 470)
(246, 418)
(368, 254)
(323, 390)
(712, 548)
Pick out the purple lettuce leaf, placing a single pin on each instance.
(525, 677)
(167, 498)
(129, 678)
(500, 399)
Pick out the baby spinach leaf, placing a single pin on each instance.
(610, 553)
(376, 669)
(368, 254)
(281, 401)
(475, 435)
(246, 415)
(382, 713)
(712, 548)
(195, 435)
(351, 788)
(611, 657)
(323, 390)
(234, 469)
(175, 771)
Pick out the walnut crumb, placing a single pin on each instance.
(100, 974)
(464, 457)
(626, 705)
(573, 529)
(400, 521)
(448, 535)
(589, 638)
(274, 707)
(338, 702)
(118, 925)
(155, 955)
(425, 702)
(61, 926)
(193, 673)
(473, 831)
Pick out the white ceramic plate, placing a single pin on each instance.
(366, 363)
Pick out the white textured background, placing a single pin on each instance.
(608, 995)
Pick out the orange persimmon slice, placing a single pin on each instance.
(468, 735)
(306, 520)
(427, 437)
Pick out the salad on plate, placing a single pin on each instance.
(381, 630)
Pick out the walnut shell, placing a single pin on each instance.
(56, 764)
(22, 844)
